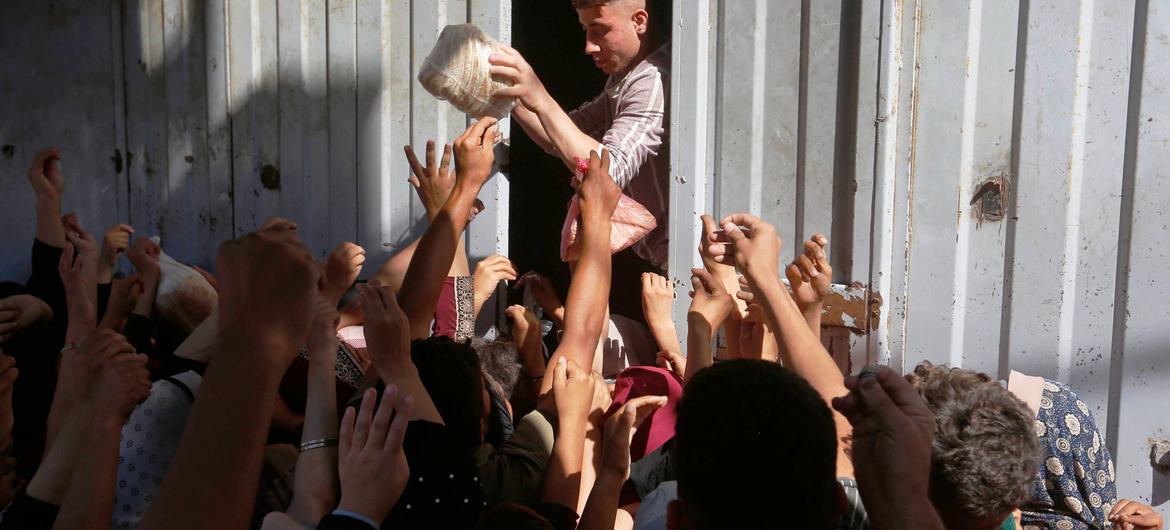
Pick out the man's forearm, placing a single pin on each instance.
(218, 448)
(530, 122)
(564, 138)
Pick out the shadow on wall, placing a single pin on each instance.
(163, 126)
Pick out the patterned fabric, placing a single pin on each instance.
(348, 366)
(1075, 484)
(149, 442)
(465, 308)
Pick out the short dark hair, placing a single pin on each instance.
(754, 443)
(985, 454)
(451, 374)
(659, 10)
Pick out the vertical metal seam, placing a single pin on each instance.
(1009, 251)
(717, 153)
(802, 118)
(1125, 226)
(844, 184)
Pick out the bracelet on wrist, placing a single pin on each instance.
(318, 444)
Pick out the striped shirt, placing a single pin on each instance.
(630, 117)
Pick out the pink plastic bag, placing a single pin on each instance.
(631, 222)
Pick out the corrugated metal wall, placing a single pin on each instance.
(1066, 99)
(198, 120)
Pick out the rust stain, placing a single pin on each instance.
(852, 307)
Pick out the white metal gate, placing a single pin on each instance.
(879, 122)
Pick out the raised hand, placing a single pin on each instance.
(620, 429)
(573, 390)
(79, 300)
(755, 250)
(892, 434)
(671, 360)
(546, 296)
(21, 311)
(124, 293)
(810, 275)
(657, 306)
(475, 153)
(509, 64)
(489, 272)
(387, 331)
(120, 384)
(371, 463)
(342, 268)
(144, 254)
(432, 183)
(115, 242)
(1133, 515)
(598, 192)
(268, 285)
(44, 175)
(709, 300)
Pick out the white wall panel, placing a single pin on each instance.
(1067, 284)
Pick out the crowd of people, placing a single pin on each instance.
(279, 392)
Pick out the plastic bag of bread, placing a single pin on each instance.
(184, 298)
(630, 223)
(457, 70)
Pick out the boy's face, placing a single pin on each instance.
(613, 33)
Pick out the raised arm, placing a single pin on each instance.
(810, 276)
(573, 389)
(601, 509)
(756, 252)
(268, 283)
(44, 175)
(710, 306)
(315, 483)
(589, 291)
(388, 340)
(121, 384)
(432, 260)
(893, 429)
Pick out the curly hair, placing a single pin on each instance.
(985, 453)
